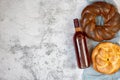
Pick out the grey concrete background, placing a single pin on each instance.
(36, 39)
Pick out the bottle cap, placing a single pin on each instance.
(76, 23)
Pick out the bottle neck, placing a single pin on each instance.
(77, 26)
(78, 29)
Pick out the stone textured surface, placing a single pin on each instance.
(36, 39)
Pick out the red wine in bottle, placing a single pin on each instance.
(81, 50)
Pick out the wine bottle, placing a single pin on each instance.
(81, 50)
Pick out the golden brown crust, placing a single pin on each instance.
(106, 58)
(111, 21)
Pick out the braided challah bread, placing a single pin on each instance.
(111, 21)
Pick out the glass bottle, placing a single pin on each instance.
(81, 50)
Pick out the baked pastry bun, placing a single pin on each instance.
(106, 58)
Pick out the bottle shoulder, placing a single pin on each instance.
(78, 34)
